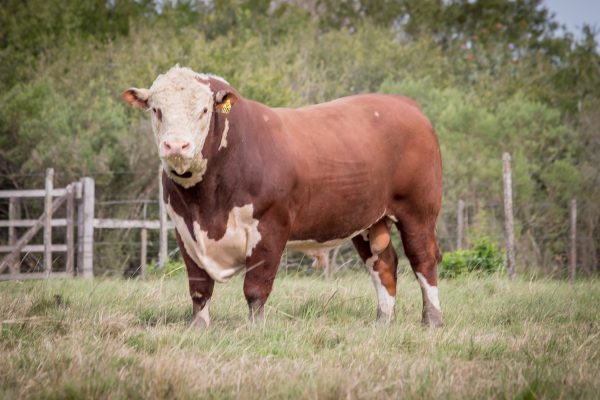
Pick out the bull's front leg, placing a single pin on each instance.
(201, 289)
(262, 265)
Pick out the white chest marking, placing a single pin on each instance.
(223, 143)
(222, 258)
(430, 293)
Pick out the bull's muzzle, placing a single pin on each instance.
(176, 148)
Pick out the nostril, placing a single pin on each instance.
(176, 147)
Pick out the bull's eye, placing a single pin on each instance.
(205, 110)
(158, 113)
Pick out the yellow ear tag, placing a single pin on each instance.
(226, 107)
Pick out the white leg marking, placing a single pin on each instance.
(429, 291)
(385, 301)
(204, 315)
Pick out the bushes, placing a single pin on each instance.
(485, 258)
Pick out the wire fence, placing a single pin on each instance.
(542, 231)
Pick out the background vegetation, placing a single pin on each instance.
(493, 76)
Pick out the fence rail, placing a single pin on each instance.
(27, 223)
(31, 193)
(129, 224)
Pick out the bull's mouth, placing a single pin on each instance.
(185, 175)
(186, 172)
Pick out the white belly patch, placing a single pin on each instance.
(314, 248)
(222, 258)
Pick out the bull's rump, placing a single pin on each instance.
(355, 158)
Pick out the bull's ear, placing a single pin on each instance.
(224, 100)
(137, 98)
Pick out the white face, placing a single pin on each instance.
(181, 109)
(181, 103)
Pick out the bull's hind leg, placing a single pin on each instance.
(420, 246)
(381, 261)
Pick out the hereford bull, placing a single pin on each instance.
(242, 181)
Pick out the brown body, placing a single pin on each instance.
(309, 177)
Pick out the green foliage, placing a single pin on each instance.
(484, 258)
(44, 124)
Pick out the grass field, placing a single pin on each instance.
(129, 339)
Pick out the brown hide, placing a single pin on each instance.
(334, 169)
(320, 173)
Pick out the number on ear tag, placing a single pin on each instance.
(226, 107)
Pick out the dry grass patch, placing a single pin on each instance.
(129, 339)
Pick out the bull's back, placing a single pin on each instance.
(352, 156)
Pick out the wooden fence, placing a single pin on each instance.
(81, 196)
(53, 199)
(77, 195)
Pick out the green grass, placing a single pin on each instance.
(129, 339)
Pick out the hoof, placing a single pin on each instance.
(256, 312)
(198, 323)
(432, 319)
(384, 317)
(200, 319)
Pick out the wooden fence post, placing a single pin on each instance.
(509, 233)
(49, 186)
(162, 233)
(86, 229)
(460, 224)
(14, 213)
(573, 234)
(79, 196)
(70, 217)
(144, 250)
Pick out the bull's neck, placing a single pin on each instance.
(233, 159)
